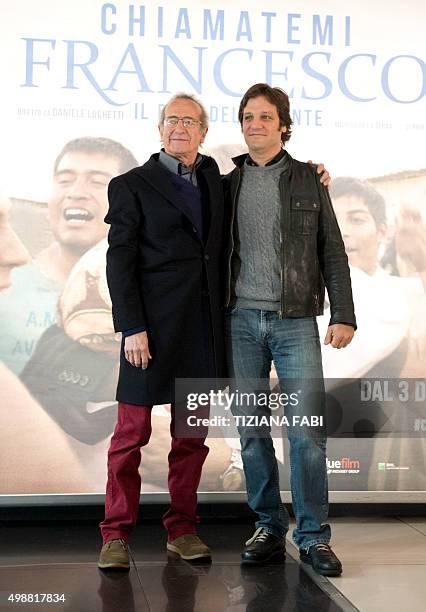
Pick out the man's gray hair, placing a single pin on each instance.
(204, 117)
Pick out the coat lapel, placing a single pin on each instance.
(214, 187)
(158, 177)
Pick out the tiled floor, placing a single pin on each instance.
(384, 562)
(62, 559)
(384, 570)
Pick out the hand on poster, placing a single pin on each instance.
(410, 246)
(417, 334)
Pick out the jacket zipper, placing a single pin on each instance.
(281, 311)
(234, 199)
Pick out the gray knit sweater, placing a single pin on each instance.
(258, 282)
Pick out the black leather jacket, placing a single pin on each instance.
(312, 249)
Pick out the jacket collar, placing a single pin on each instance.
(240, 159)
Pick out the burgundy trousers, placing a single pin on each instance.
(186, 458)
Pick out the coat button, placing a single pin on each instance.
(297, 204)
(194, 229)
(206, 257)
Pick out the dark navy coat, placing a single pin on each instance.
(162, 275)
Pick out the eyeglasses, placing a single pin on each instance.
(187, 122)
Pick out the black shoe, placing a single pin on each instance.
(262, 547)
(322, 559)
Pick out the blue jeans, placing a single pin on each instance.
(255, 338)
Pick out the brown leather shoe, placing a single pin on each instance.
(189, 546)
(114, 555)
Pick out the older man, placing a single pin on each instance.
(165, 241)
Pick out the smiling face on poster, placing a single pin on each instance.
(78, 202)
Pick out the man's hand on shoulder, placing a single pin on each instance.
(339, 335)
(325, 178)
(136, 350)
